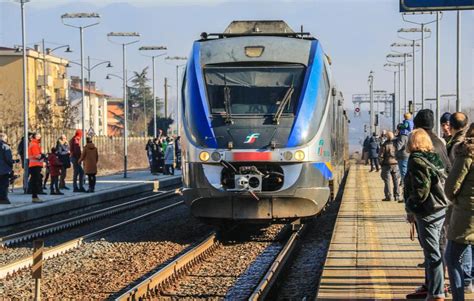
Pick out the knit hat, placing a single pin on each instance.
(445, 118)
(424, 119)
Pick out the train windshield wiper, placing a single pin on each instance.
(281, 106)
(228, 116)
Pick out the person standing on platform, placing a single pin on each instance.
(156, 155)
(169, 157)
(63, 152)
(149, 153)
(6, 168)
(445, 128)
(365, 150)
(425, 120)
(55, 166)
(177, 151)
(374, 149)
(390, 171)
(407, 125)
(425, 203)
(402, 155)
(35, 158)
(458, 124)
(90, 157)
(75, 145)
(460, 190)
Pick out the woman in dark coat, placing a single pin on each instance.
(374, 149)
(157, 155)
(460, 190)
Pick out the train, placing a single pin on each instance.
(263, 127)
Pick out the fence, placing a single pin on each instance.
(110, 148)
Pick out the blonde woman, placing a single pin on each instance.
(426, 202)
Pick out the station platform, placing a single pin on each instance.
(107, 188)
(371, 256)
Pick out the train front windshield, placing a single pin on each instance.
(254, 90)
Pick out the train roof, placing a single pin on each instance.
(275, 28)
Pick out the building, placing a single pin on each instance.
(47, 89)
(96, 117)
(115, 117)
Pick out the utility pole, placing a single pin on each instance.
(166, 97)
(371, 91)
(458, 63)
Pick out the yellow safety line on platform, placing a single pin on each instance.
(378, 276)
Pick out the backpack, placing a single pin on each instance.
(437, 198)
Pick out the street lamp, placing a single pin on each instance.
(394, 106)
(25, 99)
(121, 40)
(153, 48)
(177, 58)
(92, 19)
(423, 30)
(371, 93)
(89, 68)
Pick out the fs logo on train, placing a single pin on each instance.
(250, 139)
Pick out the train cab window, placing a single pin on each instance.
(253, 90)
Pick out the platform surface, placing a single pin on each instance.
(371, 256)
(107, 187)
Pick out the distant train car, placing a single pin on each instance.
(264, 133)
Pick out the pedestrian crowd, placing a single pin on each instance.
(50, 166)
(436, 176)
(164, 154)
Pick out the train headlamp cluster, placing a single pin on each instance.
(204, 156)
(299, 155)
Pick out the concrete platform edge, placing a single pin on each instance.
(21, 215)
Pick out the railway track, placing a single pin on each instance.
(17, 265)
(155, 285)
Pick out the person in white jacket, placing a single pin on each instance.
(169, 157)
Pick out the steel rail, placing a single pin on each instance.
(269, 279)
(77, 220)
(171, 271)
(11, 268)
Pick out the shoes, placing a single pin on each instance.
(37, 200)
(371, 170)
(5, 202)
(82, 189)
(401, 201)
(397, 199)
(56, 193)
(65, 187)
(421, 292)
(377, 170)
(387, 200)
(421, 265)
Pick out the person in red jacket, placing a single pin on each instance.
(55, 166)
(35, 165)
(75, 145)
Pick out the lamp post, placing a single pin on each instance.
(89, 69)
(177, 58)
(122, 38)
(25, 96)
(371, 92)
(153, 57)
(423, 30)
(394, 106)
(405, 55)
(93, 19)
(458, 62)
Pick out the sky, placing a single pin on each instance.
(356, 34)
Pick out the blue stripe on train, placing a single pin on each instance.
(324, 169)
(198, 101)
(308, 98)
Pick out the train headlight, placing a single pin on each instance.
(287, 155)
(299, 155)
(216, 156)
(204, 156)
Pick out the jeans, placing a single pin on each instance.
(374, 163)
(429, 232)
(455, 254)
(4, 182)
(78, 172)
(467, 266)
(390, 172)
(402, 166)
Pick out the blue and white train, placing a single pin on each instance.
(263, 127)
